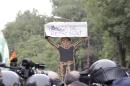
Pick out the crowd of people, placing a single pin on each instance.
(103, 72)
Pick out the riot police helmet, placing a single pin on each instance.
(9, 78)
(105, 71)
(38, 80)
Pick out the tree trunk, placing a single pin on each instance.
(122, 51)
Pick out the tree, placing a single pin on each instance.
(113, 17)
(116, 17)
(26, 36)
(70, 9)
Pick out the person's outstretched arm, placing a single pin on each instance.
(51, 42)
(83, 39)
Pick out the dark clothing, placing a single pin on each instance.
(66, 54)
(122, 82)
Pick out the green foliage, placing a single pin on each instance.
(116, 17)
(107, 20)
(26, 35)
(112, 17)
(95, 29)
(109, 47)
(71, 9)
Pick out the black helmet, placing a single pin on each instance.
(105, 71)
(38, 80)
(103, 63)
(9, 78)
(27, 62)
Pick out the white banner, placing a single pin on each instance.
(66, 29)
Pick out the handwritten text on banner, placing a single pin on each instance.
(66, 29)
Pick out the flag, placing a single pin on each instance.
(12, 56)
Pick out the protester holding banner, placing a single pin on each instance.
(66, 48)
(67, 51)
